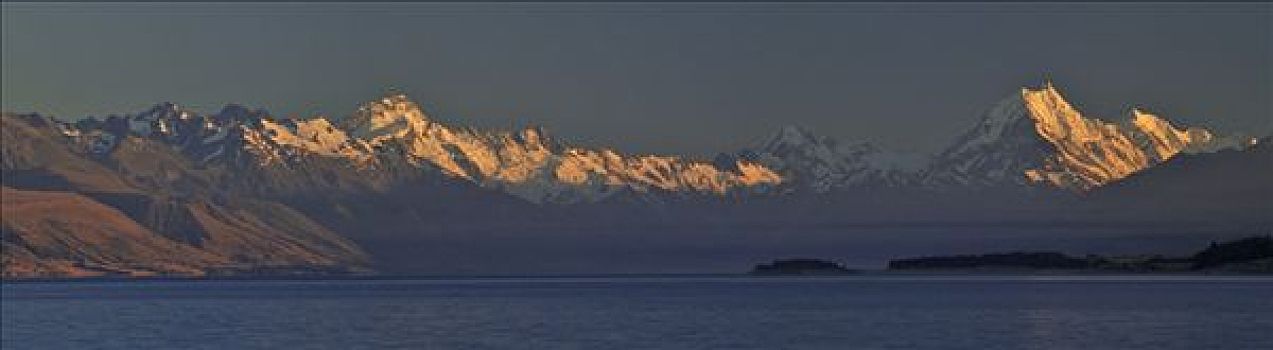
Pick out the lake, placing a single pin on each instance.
(669, 312)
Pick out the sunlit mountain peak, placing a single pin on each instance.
(1039, 137)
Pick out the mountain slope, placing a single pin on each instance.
(529, 165)
(822, 165)
(391, 141)
(1037, 138)
(245, 191)
(152, 187)
(1228, 186)
(48, 233)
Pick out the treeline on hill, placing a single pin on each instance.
(1252, 254)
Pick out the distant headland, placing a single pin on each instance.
(1247, 255)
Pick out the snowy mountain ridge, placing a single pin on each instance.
(1036, 137)
(824, 165)
(1031, 139)
(393, 130)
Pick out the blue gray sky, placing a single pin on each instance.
(650, 77)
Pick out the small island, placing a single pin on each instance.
(800, 267)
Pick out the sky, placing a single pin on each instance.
(650, 77)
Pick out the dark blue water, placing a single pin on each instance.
(866, 312)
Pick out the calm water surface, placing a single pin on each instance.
(864, 312)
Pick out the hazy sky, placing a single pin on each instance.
(685, 78)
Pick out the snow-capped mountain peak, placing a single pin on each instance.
(822, 165)
(392, 116)
(1034, 137)
(392, 139)
(1038, 137)
(792, 136)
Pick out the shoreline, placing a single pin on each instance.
(431, 277)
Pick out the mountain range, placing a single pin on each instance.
(173, 191)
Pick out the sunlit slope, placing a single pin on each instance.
(1036, 137)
